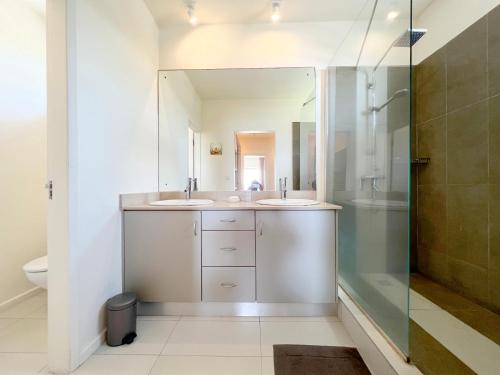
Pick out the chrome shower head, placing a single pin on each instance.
(396, 95)
(409, 38)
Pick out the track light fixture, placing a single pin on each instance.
(193, 20)
(275, 10)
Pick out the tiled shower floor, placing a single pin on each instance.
(465, 334)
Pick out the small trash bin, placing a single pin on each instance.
(121, 318)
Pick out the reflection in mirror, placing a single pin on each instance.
(237, 129)
(304, 155)
(255, 160)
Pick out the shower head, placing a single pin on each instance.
(409, 38)
(396, 95)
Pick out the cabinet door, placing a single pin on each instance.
(162, 258)
(295, 256)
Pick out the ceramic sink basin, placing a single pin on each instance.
(287, 202)
(182, 202)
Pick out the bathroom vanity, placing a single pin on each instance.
(184, 257)
(240, 258)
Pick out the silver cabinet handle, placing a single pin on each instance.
(195, 228)
(228, 220)
(228, 248)
(229, 285)
(261, 224)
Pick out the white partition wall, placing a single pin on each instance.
(103, 58)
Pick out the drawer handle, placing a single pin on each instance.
(228, 248)
(229, 285)
(228, 220)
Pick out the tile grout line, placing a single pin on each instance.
(260, 339)
(446, 168)
(23, 352)
(169, 335)
(164, 345)
(488, 95)
(153, 365)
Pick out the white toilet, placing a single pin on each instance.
(37, 271)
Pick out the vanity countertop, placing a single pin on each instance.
(223, 206)
(140, 202)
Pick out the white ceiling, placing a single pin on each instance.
(173, 12)
(280, 83)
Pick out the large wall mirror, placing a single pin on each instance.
(237, 129)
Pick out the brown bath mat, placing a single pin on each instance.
(317, 360)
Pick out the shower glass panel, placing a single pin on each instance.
(368, 162)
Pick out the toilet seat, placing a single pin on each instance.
(36, 265)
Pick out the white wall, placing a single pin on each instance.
(444, 20)
(112, 64)
(62, 324)
(23, 200)
(180, 108)
(221, 118)
(251, 45)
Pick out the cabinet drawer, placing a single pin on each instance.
(228, 284)
(228, 248)
(228, 220)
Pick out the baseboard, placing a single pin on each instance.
(378, 354)
(20, 297)
(238, 309)
(92, 347)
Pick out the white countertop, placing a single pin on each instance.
(221, 206)
(139, 202)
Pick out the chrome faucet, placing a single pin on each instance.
(373, 184)
(283, 190)
(188, 188)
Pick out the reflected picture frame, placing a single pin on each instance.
(216, 148)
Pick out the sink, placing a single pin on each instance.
(287, 202)
(182, 202)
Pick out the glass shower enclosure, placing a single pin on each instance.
(368, 162)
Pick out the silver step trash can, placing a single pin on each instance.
(121, 319)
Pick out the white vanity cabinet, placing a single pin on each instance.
(296, 256)
(162, 255)
(233, 256)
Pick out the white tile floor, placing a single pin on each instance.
(212, 345)
(215, 345)
(23, 337)
(168, 345)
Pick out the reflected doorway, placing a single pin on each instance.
(255, 160)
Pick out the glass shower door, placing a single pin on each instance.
(368, 164)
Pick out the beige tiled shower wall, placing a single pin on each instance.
(457, 116)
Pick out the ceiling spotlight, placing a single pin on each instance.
(275, 15)
(392, 15)
(193, 20)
